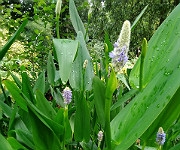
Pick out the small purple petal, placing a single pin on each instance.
(111, 54)
(116, 44)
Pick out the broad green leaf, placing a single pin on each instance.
(44, 138)
(161, 81)
(80, 79)
(44, 106)
(25, 137)
(82, 119)
(53, 125)
(65, 51)
(142, 111)
(76, 20)
(51, 70)
(40, 83)
(99, 99)
(12, 39)
(16, 94)
(138, 17)
(4, 144)
(162, 48)
(165, 120)
(124, 98)
(15, 144)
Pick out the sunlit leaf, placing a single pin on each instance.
(79, 78)
(65, 51)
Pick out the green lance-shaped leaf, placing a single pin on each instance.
(138, 17)
(161, 81)
(12, 39)
(27, 88)
(65, 51)
(99, 99)
(111, 86)
(82, 119)
(44, 106)
(51, 70)
(76, 20)
(44, 137)
(4, 144)
(80, 79)
(15, 144)
(16, 94)
(40, 83)
(143, 54)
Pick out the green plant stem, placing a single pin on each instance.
(143, 54)
(65, 118)
(57, 26)
(107, 123)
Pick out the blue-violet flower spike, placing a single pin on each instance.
(120, 53)
(67, 95)
(161, 136)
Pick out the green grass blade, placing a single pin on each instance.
(138, 17)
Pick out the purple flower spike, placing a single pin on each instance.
(119, 55)
(67, 95)
(161, 136)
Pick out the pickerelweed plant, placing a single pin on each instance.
(79, 103)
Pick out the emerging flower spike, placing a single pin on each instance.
(121, 47)
(100, 136)
(161, 136)
(67, 95)
(58, 7)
